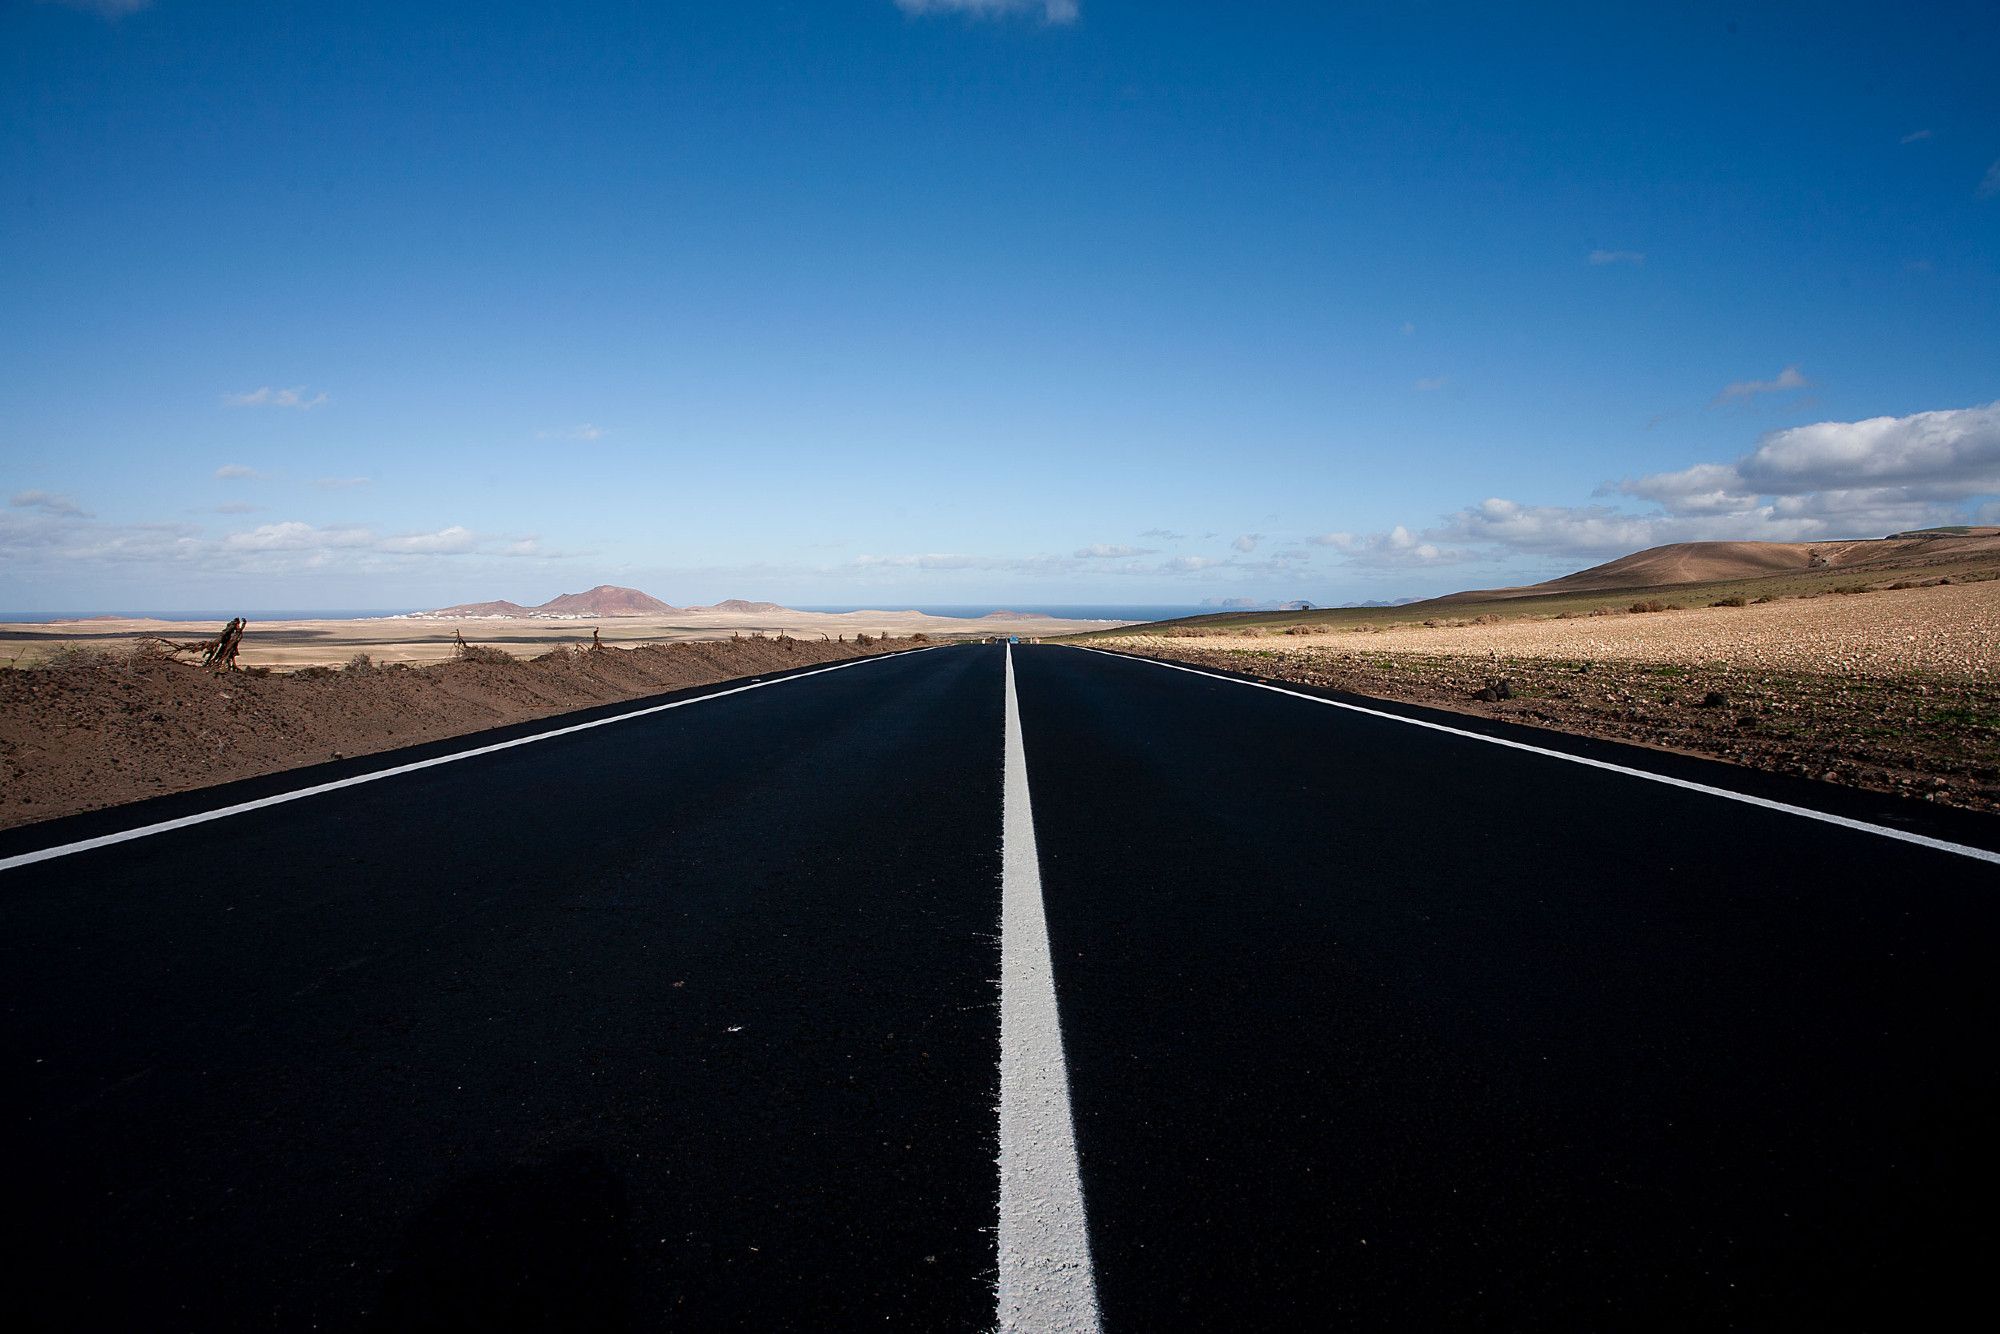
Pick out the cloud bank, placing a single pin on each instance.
(1809, 483)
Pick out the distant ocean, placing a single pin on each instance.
(1107, 611)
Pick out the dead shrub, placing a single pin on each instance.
(1640, 607)
(1730, 602)
(1486, 618)
(484, 653)
(360, 662)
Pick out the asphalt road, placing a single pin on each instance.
(694, 1020)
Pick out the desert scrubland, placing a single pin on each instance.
(290, 644)
(1895, 689)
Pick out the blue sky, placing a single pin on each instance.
(929, 301)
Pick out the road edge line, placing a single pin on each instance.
(317, 789)
(1046, 1280)
(1845, 822)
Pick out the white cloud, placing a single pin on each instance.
(1602, 257)
(1164, 535)
(48, 502)
(1187, 564)
(1430, 384)
(295, 536)
(445, 541)
(341, 483)
(36, 544)
(1247, 543)
(1052, 11)
(1801, 484)
(267, 397)
(1787, 379)
(1989, 184)
(1954, 452)
(236, 472)
(1914, 136)
(582, 431)
(1398, 547)
(1110, 551)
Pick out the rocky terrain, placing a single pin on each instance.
(1896, 690)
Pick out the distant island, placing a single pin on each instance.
(605, 600)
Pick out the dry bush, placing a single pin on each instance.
(1654, 605)
(1730, 602)
(920, 638)
(360, 662)
(1253, 632)
(1486, 618)
(1768, 597)
(1298, 629)
(1604, 611)
(484, 653)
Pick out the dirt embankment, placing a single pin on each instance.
(1894, 691)
(93, 729)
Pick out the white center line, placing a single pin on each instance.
(223, 812)
(1861, 826)
(1046, 1281)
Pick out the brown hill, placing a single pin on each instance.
(605, 600)
(738, 604)
(1713, 562)
(501, 608)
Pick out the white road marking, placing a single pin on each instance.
(1884, 831)
(1046, 1282)
(221, 813)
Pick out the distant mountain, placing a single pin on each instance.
(480, 609)
(739, 605)
(1380, 602)
(603, 600)
(1300, 605)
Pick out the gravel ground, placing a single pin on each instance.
(1893, 691)
(1951, 631)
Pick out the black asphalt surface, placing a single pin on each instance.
(691, 1021)
(686, 1021)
